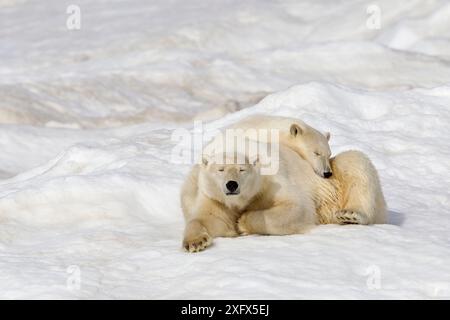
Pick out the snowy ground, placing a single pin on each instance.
(88, 191)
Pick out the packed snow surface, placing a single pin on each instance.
(89, 191)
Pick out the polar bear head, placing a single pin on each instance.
(228, 181)
(309, 143)
(312, 146)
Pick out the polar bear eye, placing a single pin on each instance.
(241, 170)
(221, 169)
(317, 154)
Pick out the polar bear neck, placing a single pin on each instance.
(327, 198)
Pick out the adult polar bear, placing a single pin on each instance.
(217, 193)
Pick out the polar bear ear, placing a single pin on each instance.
(204, 160)
(252, 160)
(296, 130)
(328, 135)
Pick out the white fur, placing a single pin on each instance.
(353, 194)
(271, 204)
(311, 144)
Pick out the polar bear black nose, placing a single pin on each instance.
(327, 174)
(232, 186)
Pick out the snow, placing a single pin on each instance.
(89, 190)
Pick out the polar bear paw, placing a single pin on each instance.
(242, 226)
(197, 243)
(350, 217)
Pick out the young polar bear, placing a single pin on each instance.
(309, 143)
(352, 193)
(215, 195)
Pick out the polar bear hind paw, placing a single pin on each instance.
(350, 217)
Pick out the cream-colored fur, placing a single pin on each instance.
(267, 204)
(308, 142)
(353, 194)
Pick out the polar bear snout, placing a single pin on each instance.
(327, 174)
(232, 187)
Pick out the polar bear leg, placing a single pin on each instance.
(209, 222)
(363, 200)
(196, 237)
(279, 220)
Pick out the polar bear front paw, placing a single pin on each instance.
(350, 217)
(197, 243)
(242, 226)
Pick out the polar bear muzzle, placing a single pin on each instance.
(232, 188)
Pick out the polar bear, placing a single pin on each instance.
(353, 195)
(357, 188)
(308, 142)
(215, 195)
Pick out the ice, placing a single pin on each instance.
(88, 188)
